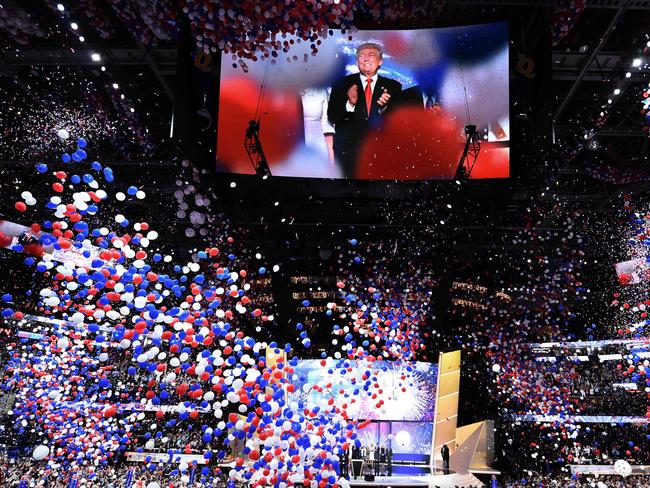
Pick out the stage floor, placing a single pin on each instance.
(465, 480)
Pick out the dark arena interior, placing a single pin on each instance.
(324, 243)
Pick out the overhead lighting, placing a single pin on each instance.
(96, 57)
(637, 62)
(628, 74)
(617, 91)
(74, 25)
(82, 38)
(116, 86)
(609, 101)
(60, 7)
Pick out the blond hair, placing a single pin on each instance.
(370, 45)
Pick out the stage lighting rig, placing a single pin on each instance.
(253, 147)
(470, 154)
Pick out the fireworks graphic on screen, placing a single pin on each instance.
(413, 393)
(408, 390)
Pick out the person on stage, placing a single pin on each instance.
(444, 452)
(389, 459)
(416, 97)
(357, 103)
(377, 459)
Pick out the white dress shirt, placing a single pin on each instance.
(349, 107)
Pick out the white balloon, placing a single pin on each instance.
(623, 468)
(63, 134)
(41, 452)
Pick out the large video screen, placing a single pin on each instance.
(408, 390)
(371, 104)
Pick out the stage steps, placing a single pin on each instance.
(462, 480)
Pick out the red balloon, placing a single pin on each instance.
(427, 145)
(20, 206)
(281, 126)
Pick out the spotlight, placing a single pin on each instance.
(60, 7)
(96, 57)
(617, 91)
(636, 63)
(609, 101)
(74, 26)
(116, 86)
(628, 74)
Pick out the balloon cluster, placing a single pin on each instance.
(18, 25)
(126, 330)
(565, 16)
(250, 31)
(148, 23)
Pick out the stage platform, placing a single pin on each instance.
(453, 480)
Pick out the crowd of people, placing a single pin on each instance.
(535, 298)
(154, 356)
(19, 473)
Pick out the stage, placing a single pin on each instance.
(464, 480)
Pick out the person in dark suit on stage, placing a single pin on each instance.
(357, 103)
(389, 460)
(417, 97)
(345, 462)
(377, 459)
(383, 459)
(357, 461)
(444, 452)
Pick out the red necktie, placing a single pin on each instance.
(368, 93)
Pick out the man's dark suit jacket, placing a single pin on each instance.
(351, 127)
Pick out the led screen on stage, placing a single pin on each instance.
(411, 437)
(407, 389)
(371, 104)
